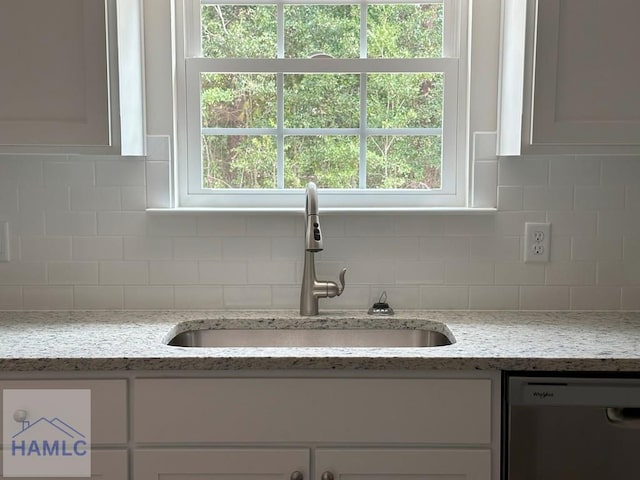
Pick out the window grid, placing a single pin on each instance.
(451, 180)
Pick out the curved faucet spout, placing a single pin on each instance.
(312, 288)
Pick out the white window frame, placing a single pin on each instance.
(190, 65)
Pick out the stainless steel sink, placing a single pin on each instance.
(294, 337)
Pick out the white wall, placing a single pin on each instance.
(80, 239)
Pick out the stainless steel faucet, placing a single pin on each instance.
(313, 289)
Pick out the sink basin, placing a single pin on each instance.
(294, 337)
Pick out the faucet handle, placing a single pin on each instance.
(342, 282)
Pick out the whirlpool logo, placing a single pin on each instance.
(46, 433)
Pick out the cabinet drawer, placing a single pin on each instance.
(428, 411)
(108, 404)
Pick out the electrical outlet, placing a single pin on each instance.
(4, 241)
(537, 242)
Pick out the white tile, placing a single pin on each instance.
(253, 296)
(171, 225)
(118, 172)
(470, 225)
(632, 197)
(572, 223)
(222, 225)
(287, 248)
(620, 222)
(631, 249)
(285, 297)
(574, 171)
(47, 298)
(631, 298)
(590, 248)
(122, 223)
(445, 297)
(272, 225)
(11, 298)
(197, 248)
(419, 273)
(32, 199)
(20, 224)
(223, 272)
(574, 273)
(510, 198)
(491, 248)
(371, 248)
(544, 298)
(523, 171)
(270, 273)
(78, 172)
(198, 297)
(519, 273)
(250, 248)
(133, 198)
(618, 273)
(363, 272)
(158, 184)
(622, 170)
(599, 198)
(484, 145)
(469, 273)
(450, 247)
(158, 147)
(146, 248)
(97, 248)
(173, 273)
(124, 273)
(72, 273)
(95, 198)
(493, 298)
(8, 198)
(366, 225)
(98, 297)
(485, 187)
(21, 170)
(34, 249)
(23, 273)
(512, 223)
(595, 298)
(560, 248)
(420, 225)
(148, 298)
(70, 223)
(548, 198)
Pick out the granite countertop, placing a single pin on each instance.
(134, 340)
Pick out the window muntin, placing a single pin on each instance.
(400, 150)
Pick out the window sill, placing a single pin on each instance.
(328, 211)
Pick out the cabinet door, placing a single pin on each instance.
(221, 464)
(108, 405)
(569, 77)
(105, 465)
(403, 464)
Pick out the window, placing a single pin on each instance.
(361, 96)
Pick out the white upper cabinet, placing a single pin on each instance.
(570, 77)
(68, 77)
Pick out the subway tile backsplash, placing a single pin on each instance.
(81, 239)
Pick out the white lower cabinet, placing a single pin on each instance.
(330, 464)
(313, 429)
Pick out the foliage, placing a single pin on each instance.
(322, 101)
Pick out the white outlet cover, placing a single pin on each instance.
(537, 242)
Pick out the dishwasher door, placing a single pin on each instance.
(573, 429)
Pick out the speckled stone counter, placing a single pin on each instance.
(135, 340)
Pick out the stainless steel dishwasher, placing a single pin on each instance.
(578, 428)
